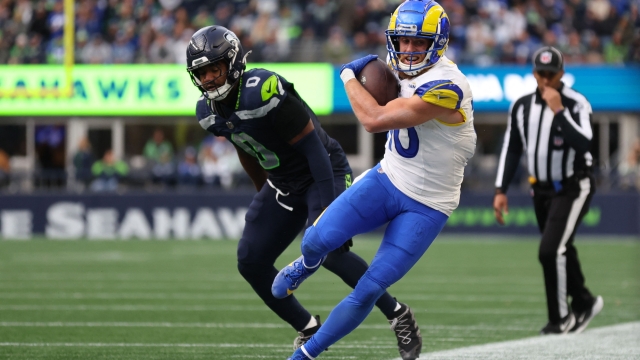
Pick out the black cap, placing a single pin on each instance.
(548, 58)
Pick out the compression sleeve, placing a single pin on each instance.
(311, 147)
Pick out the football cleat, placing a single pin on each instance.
(406, 329)
(305, 335)
(561, 328)
(290, 278)
(583, 318)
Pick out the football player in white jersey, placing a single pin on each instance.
(415, 187)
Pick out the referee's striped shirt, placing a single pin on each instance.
(557, 146)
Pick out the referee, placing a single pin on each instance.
(552, 126)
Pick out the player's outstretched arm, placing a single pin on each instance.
(400, 113)
(252, 167)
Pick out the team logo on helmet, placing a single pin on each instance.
(231, 38)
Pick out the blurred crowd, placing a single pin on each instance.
(483, 32)
(211, 164)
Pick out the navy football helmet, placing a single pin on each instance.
(210, 45)
(422, 19)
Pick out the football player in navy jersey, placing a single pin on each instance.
(297, 169)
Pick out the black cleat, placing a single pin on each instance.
(305, 335)
(583, 318)
(405, 327)
(562, 328)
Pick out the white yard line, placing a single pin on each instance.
(201, 345)
(246, 326)
(612, 343)
(252, 296)
(161, 280)
(241, 308)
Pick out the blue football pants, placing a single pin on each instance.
(369, 203)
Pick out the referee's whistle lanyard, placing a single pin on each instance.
(278, 193)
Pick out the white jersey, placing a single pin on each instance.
(426, 162)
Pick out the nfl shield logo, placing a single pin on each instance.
(558, 141)
(545, 57)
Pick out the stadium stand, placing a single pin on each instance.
(484, 32)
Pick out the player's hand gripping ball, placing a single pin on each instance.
(375, 76)
(357, 65)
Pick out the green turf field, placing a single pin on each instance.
(185, 300)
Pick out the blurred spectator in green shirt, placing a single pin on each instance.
(159, 152)
(108, 172)
(615, 51)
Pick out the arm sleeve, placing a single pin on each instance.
(311, 147)
(577, 127)
(291, 118)
(511, 151)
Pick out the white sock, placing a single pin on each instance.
(313, 322)
(313, 266)
(306, 353)
(397, 306)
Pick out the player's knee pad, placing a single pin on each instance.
(367, 291)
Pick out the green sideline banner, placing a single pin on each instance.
(127, 90)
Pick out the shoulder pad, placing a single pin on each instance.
(443, 93)
(260, 87)
(202, 108)
(205, 116)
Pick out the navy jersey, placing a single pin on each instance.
(259, 126)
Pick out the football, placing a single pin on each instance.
(376, 77)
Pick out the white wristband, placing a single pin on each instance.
(346, 75)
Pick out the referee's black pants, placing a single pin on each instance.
(559, 214)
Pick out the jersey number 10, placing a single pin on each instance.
(411, 150)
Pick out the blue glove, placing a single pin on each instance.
(357, 65)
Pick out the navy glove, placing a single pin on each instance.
(357, 65)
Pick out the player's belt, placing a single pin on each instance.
(560, 184)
